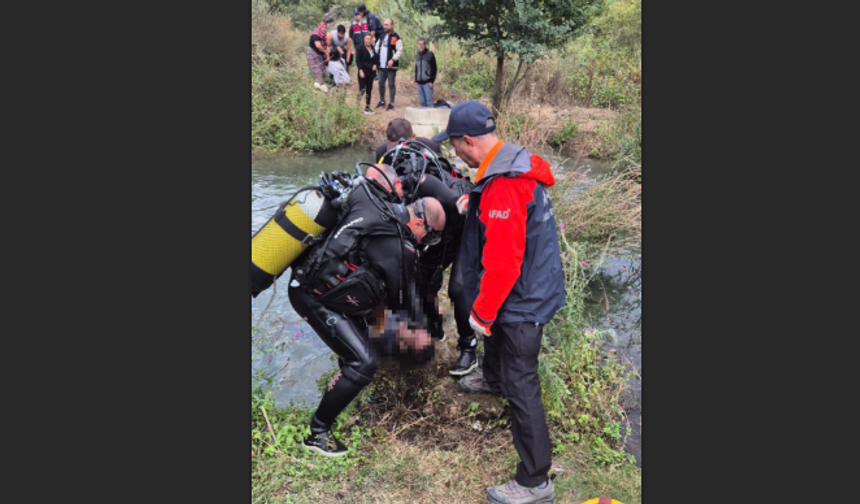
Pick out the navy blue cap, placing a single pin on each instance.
(355, 11)
(470, 118)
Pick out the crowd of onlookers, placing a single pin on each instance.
(375, 49)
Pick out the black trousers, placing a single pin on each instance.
(367, 85)
(348, 338)
(431, 265)
(511, 363)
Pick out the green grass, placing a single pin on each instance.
(287, 112)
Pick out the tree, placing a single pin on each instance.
(528, 29)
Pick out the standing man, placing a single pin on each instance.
(513, 278)
(425, 73)
(390, 49)
(373, 22)
(357, 30)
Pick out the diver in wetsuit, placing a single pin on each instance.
(451, 188)
(342, 285)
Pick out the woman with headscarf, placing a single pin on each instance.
(318, 56)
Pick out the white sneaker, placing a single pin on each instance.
(316, 84)
(324, 88)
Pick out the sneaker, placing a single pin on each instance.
(390, 107)
(474, 383)
(465, 364)
(380, 105)
(325, 444)
(368, 111)
(316, 84)
(323, 88)
(514, 493)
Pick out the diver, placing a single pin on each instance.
(356, 290)
(448, 185)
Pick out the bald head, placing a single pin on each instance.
(434, 213)
(392, 184)
(374, 173)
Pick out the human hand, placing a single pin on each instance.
(478, 327)
(431, 85)
(390, 63)
(361, 73)
(463, 204)
(374, 68)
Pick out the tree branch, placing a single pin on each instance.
(513, 86)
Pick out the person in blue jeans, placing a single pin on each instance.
(425, 73)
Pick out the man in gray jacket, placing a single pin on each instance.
(425, 73)
(390, 49)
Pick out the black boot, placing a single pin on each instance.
(468, 361)
(322, 441)
(436, 331)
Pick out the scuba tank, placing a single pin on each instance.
(296, 225)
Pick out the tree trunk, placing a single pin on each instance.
(497, 87)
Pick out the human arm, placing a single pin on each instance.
(504, 213)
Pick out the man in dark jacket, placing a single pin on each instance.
(372, 21)
(513, 276)
(425, 73)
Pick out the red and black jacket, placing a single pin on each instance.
(357, 31)
(509, 250)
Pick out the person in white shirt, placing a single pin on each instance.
(390, 48)
(337, 68)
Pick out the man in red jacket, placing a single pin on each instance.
(513, 278)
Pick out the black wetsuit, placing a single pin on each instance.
(433, 261)
(366, 237)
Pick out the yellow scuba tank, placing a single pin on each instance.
(294, 227)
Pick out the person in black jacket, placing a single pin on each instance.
(368, 63)
(356, 290)
(425, 73)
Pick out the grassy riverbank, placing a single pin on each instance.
(583, 99)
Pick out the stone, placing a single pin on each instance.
(423, 120)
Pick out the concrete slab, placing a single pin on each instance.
(423, 120)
